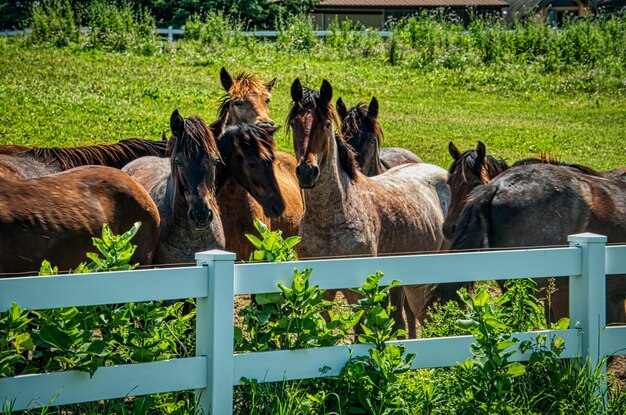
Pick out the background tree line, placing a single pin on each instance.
(258, 14)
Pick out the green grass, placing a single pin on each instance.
(68, 97)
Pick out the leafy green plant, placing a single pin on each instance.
(272, 247)
(117, 251)
(489, 374)
(372, 381)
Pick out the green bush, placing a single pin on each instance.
(53, 22)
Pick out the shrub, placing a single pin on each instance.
(53, 22)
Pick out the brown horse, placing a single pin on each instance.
(55, 217)
(539, 203)
(247, 170)
(183, 188)
(246, 101)
(348, 213)
(21, 161)
(361, 129)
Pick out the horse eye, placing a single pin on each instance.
(238, 103)
(328, 125)
(178, 163)
(267, 101)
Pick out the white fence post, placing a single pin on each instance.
(587, 294)
(215, 331)
(170, 38)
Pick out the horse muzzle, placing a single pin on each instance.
(449, 230)
(200, 218)
(307, 175)
(273, 207)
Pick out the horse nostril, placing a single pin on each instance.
(316, 171)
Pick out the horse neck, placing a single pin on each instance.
(332, 187)
(378, 167)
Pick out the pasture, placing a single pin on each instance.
(75, 96)
(65, 97)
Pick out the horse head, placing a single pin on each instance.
(248, 151)
(469, 169)
(193, 154)
(361, 129)
(313, 120)
(246, 100)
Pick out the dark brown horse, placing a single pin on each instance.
(55, 217)
(21, 161)
(348, 213)
(183, 188)
(361, 129)
(539, 203)
(246, 101)
(247, 170)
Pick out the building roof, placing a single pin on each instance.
(408, 3)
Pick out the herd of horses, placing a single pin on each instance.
(342, 193)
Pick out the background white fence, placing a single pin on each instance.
(216, 279)
(171, 32)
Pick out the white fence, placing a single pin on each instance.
(216, 280)
(170, 32)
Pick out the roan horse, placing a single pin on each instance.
(539, 203)
(348, 213)
(361, 129)
(54, 217)
(246, 101)
(183, 188)
(21, 161)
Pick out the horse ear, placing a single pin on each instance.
(454, 152)
(342, 110)
(269, 85)
(296, 91)
(177, 124)
(227, 80)
(372, 108)
(326, 93)
(481, 150)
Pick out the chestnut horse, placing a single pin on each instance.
(539, 203)
(183, 188)
(246, 101)
(361, 129)
(248, 162)
(23, 162)
(348, 213)
(54, 217)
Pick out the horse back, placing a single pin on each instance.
(397, 156)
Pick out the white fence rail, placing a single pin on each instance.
(215, 280)
(171, 32)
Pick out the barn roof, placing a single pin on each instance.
(408, 3)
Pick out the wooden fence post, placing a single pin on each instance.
(215, 331)
(587, 293)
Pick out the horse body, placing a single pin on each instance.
(183, 188)
(361, 129)
(24, 162)
(348, 213)
(78, 202)
(536, 203)
(246, 102)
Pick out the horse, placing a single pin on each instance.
(539, 203)
(246, 101)
(183, 187)
(361, 129)
(55, 217)
(22, 161)
(348, 213)
(247, 170)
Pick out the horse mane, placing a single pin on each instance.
(113, 155)
(350, 125)
(552, 160)
(243, 84)
(197, 134)
(468, 164)
(260, 139)
(309, 103)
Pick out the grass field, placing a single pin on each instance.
(65, 97)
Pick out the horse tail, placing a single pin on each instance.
(473, 226)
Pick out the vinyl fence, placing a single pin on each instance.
(216, 280)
